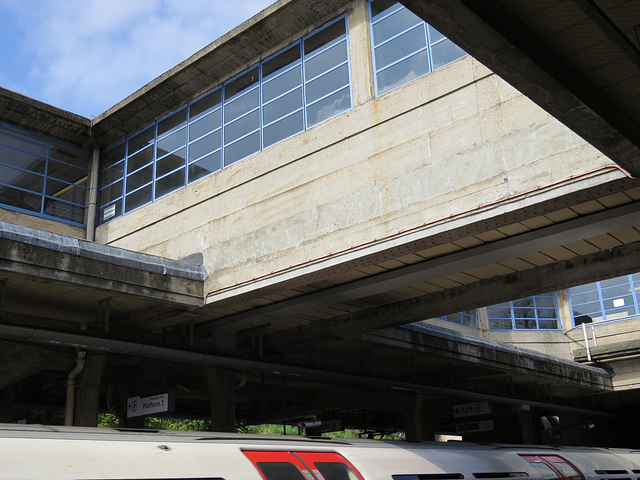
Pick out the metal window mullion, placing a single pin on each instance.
(303, 84)
(261, 107)
(187, 144)
(634, 295)
(153, 162)
(429, 45)
(601, 300)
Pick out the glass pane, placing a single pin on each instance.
(545, 301)
(383, 7)
(435, 35)
(67, 191)
(445, 52)
(170, 183)
(111, 193)
(113, 156)
(143, 139)
(329, 106)
(547, 313)
(403, 19)
(545, 470)
(22, 179)
(613, 282)
(171, 142)
(403, 72)
(73, 156)
(204, 125)
(280, 471)
(282, 129)
(64, 210)
(524, 324)
(205, 166)
(241, 106)
(277, 65)
(171, 162)
(585, 297)
(205, 105)
(242, 148)
(524, 312)
(327, 83)
(281, 84)
(20, 199)
(326, 60)
(204, 146)
(141, 177)
(524, 302)
(113, 174)
(325, 36)
(400, 47)
(548, 324)
(241, 127)
(335, 471)
(62, 171)
(23, 140)
(139, 160)
(569, 472)
(20, 159)
(616, 291)
(283, 106)
(172, 123)
(138, 198)
(500, 324)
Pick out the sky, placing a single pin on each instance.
(85, 56)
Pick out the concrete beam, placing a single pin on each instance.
(39, 117)
(59, 258)
(497, 37)
(576, 271)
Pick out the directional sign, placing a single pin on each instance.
(138, 406)
(470, 409)
(481, 426)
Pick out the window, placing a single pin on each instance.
(538, 312)
(299, 87)
(612, 299)
(553, 467)
(404, 46)
(467, 318)
(274, 465)
(43, 177)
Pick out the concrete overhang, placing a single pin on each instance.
(84, 269)
(44, 119)
(578, 59)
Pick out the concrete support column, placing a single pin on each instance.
(93, 196)
(88, 391)
(360, 52)
(418, 425)
(222, 387)
(7, 396)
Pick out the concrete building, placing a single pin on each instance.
(332, 212)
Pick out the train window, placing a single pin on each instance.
(280, 471)
(430, 476)
(559, 466)
(500, 475)
(302, 466)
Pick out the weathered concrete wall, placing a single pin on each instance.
(450, 141)
(42, 224)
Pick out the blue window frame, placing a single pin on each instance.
(538, 312)
(467, 318)
(43, 177)
(300, 86)
(404, 46)
(607, 300)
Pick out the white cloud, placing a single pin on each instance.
(90, 54)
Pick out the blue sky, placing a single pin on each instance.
(86, 55)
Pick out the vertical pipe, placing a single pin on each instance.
(71, 388)
(93, 196)
(586, 341)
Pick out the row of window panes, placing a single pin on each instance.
(295, 89)
(467, 318)
(41, 176)
(404, 46)
(538, 312)
(611, 299)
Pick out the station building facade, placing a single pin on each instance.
(311, 162)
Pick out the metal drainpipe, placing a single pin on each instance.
(586, 342)
(71, 387)
(93, 196)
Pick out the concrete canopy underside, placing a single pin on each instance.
(577, 59)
